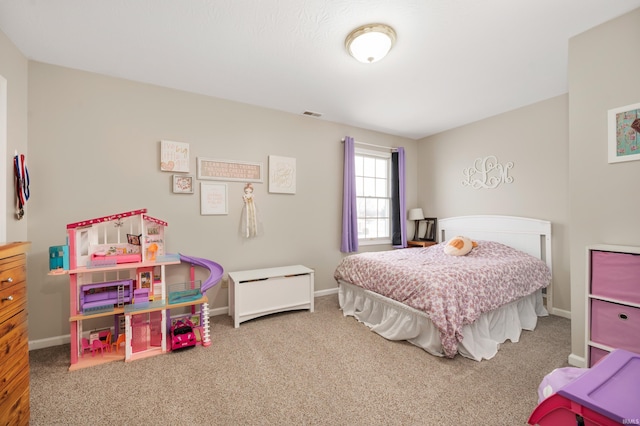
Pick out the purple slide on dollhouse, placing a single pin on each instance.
(215, 270)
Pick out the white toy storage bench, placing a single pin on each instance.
(259, 292)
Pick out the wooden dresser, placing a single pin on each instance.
(14, 341)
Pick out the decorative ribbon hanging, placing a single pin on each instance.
(22, 183)
(250, 216)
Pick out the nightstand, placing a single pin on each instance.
(421, 243)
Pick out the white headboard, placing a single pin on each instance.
(531, 236)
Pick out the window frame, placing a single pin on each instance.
(386, 155)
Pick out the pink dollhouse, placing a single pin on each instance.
(117, 269)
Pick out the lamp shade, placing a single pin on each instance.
(370, 43)
(416, 214)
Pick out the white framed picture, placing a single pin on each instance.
(624, 133)
(174, 156)
(182, 184)
(282, 175)
(213, 198)
(229, 170)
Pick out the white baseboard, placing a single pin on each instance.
(219, 311)
(51, 341)
(62, 340)
(325, 292)
(577, 361)
(561, 313)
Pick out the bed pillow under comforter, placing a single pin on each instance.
(452, 290)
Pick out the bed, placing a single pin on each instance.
(445, 304)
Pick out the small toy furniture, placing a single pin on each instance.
(119, 341)
(59, 258)
(98, 345)
(105, 337)
(182, 335)
(152, 250)
(141, 296)
(606, 395)
(105, 294)
(86, 347)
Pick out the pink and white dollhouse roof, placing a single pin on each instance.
(116, 217)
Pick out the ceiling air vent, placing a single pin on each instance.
(312, 114)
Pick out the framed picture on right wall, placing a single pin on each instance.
(624, 133)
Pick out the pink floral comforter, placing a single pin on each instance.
(452, 290)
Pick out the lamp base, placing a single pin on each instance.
(417, 227)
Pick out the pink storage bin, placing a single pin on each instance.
(615, 275)
(613, 325)
(595, 355)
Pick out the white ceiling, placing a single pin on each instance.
(455, 61)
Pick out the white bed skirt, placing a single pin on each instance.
(481, 340)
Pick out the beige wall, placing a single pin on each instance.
(535, 139)
(604, 203)
(94, 151)
(13, 67)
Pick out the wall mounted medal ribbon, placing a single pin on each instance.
(22, 184)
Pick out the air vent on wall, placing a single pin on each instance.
(312, 114)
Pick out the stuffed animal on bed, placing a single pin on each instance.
(459, 246)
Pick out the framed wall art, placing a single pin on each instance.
(213, 198)
(624, 133)
(229, 170)
(282, 175)
(174, 156)
(182, 184)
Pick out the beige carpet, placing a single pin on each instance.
(300, 368)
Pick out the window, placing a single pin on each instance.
(373, 196)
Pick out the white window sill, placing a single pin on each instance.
(374, 242)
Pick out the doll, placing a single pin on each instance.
(249, 215)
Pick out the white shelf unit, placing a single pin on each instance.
(613, 300)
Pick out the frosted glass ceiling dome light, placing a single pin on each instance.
(370, 43)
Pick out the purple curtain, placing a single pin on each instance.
(400, 202)
(349, 210)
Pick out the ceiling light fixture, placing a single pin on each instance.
(370, 43)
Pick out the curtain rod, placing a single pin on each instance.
(390, 148)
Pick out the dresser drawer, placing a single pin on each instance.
(13, 299)
(15, 409)
(14, 370)
(615, 275)
(615, 325)
(12, 270)
(11, 374)
(14, 340)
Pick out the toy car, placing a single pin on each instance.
(182, 335)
